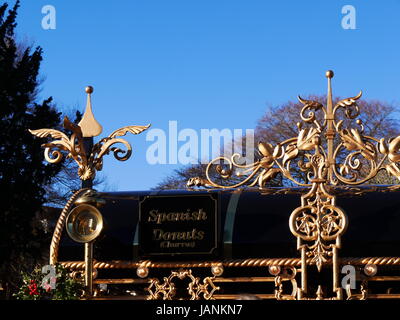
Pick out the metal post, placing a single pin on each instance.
(335, 269)
(330, 132)
(88, 145)
(89, 268)
(303, 270)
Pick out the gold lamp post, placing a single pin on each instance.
(84, 223)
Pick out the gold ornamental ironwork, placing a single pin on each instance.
(84, 223)
(89, 161)
(335, 155)
(167, 290)
(318, 223)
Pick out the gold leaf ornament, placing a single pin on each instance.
(307, 139)
(132, 129)
(352, 141)
(349, 101)
(269, 153)
(67, 124)
(393, 169)
(265, 149)
(63, 143)
(309, 105)
(382, 147)
(348, 104)
(267, 175)
(44, 133)
(394, 146)
(291, 152)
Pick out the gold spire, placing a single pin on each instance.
(329, 74)
(89, 125)
(330, 130)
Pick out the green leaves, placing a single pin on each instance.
(32, 287)
(23, 174)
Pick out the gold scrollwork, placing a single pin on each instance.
(285, 274)
(167, 290)
(87, 166)
(364, 150)
(363, 292)
(318, 220)
(89, 161)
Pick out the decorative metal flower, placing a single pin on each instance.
(89, 161)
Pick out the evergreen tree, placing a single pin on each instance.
(23, 173)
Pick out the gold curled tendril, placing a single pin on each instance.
(74, 146)
(310, 105)
(352, 110)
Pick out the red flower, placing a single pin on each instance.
(33, 288)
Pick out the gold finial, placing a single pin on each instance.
(89, 89)
(329, 74)
(89, 125)
(329, 105)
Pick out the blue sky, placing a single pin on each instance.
(206, 64)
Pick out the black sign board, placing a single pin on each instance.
(178, 225)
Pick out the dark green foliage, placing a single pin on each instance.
(65, 288)
(23, 172)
